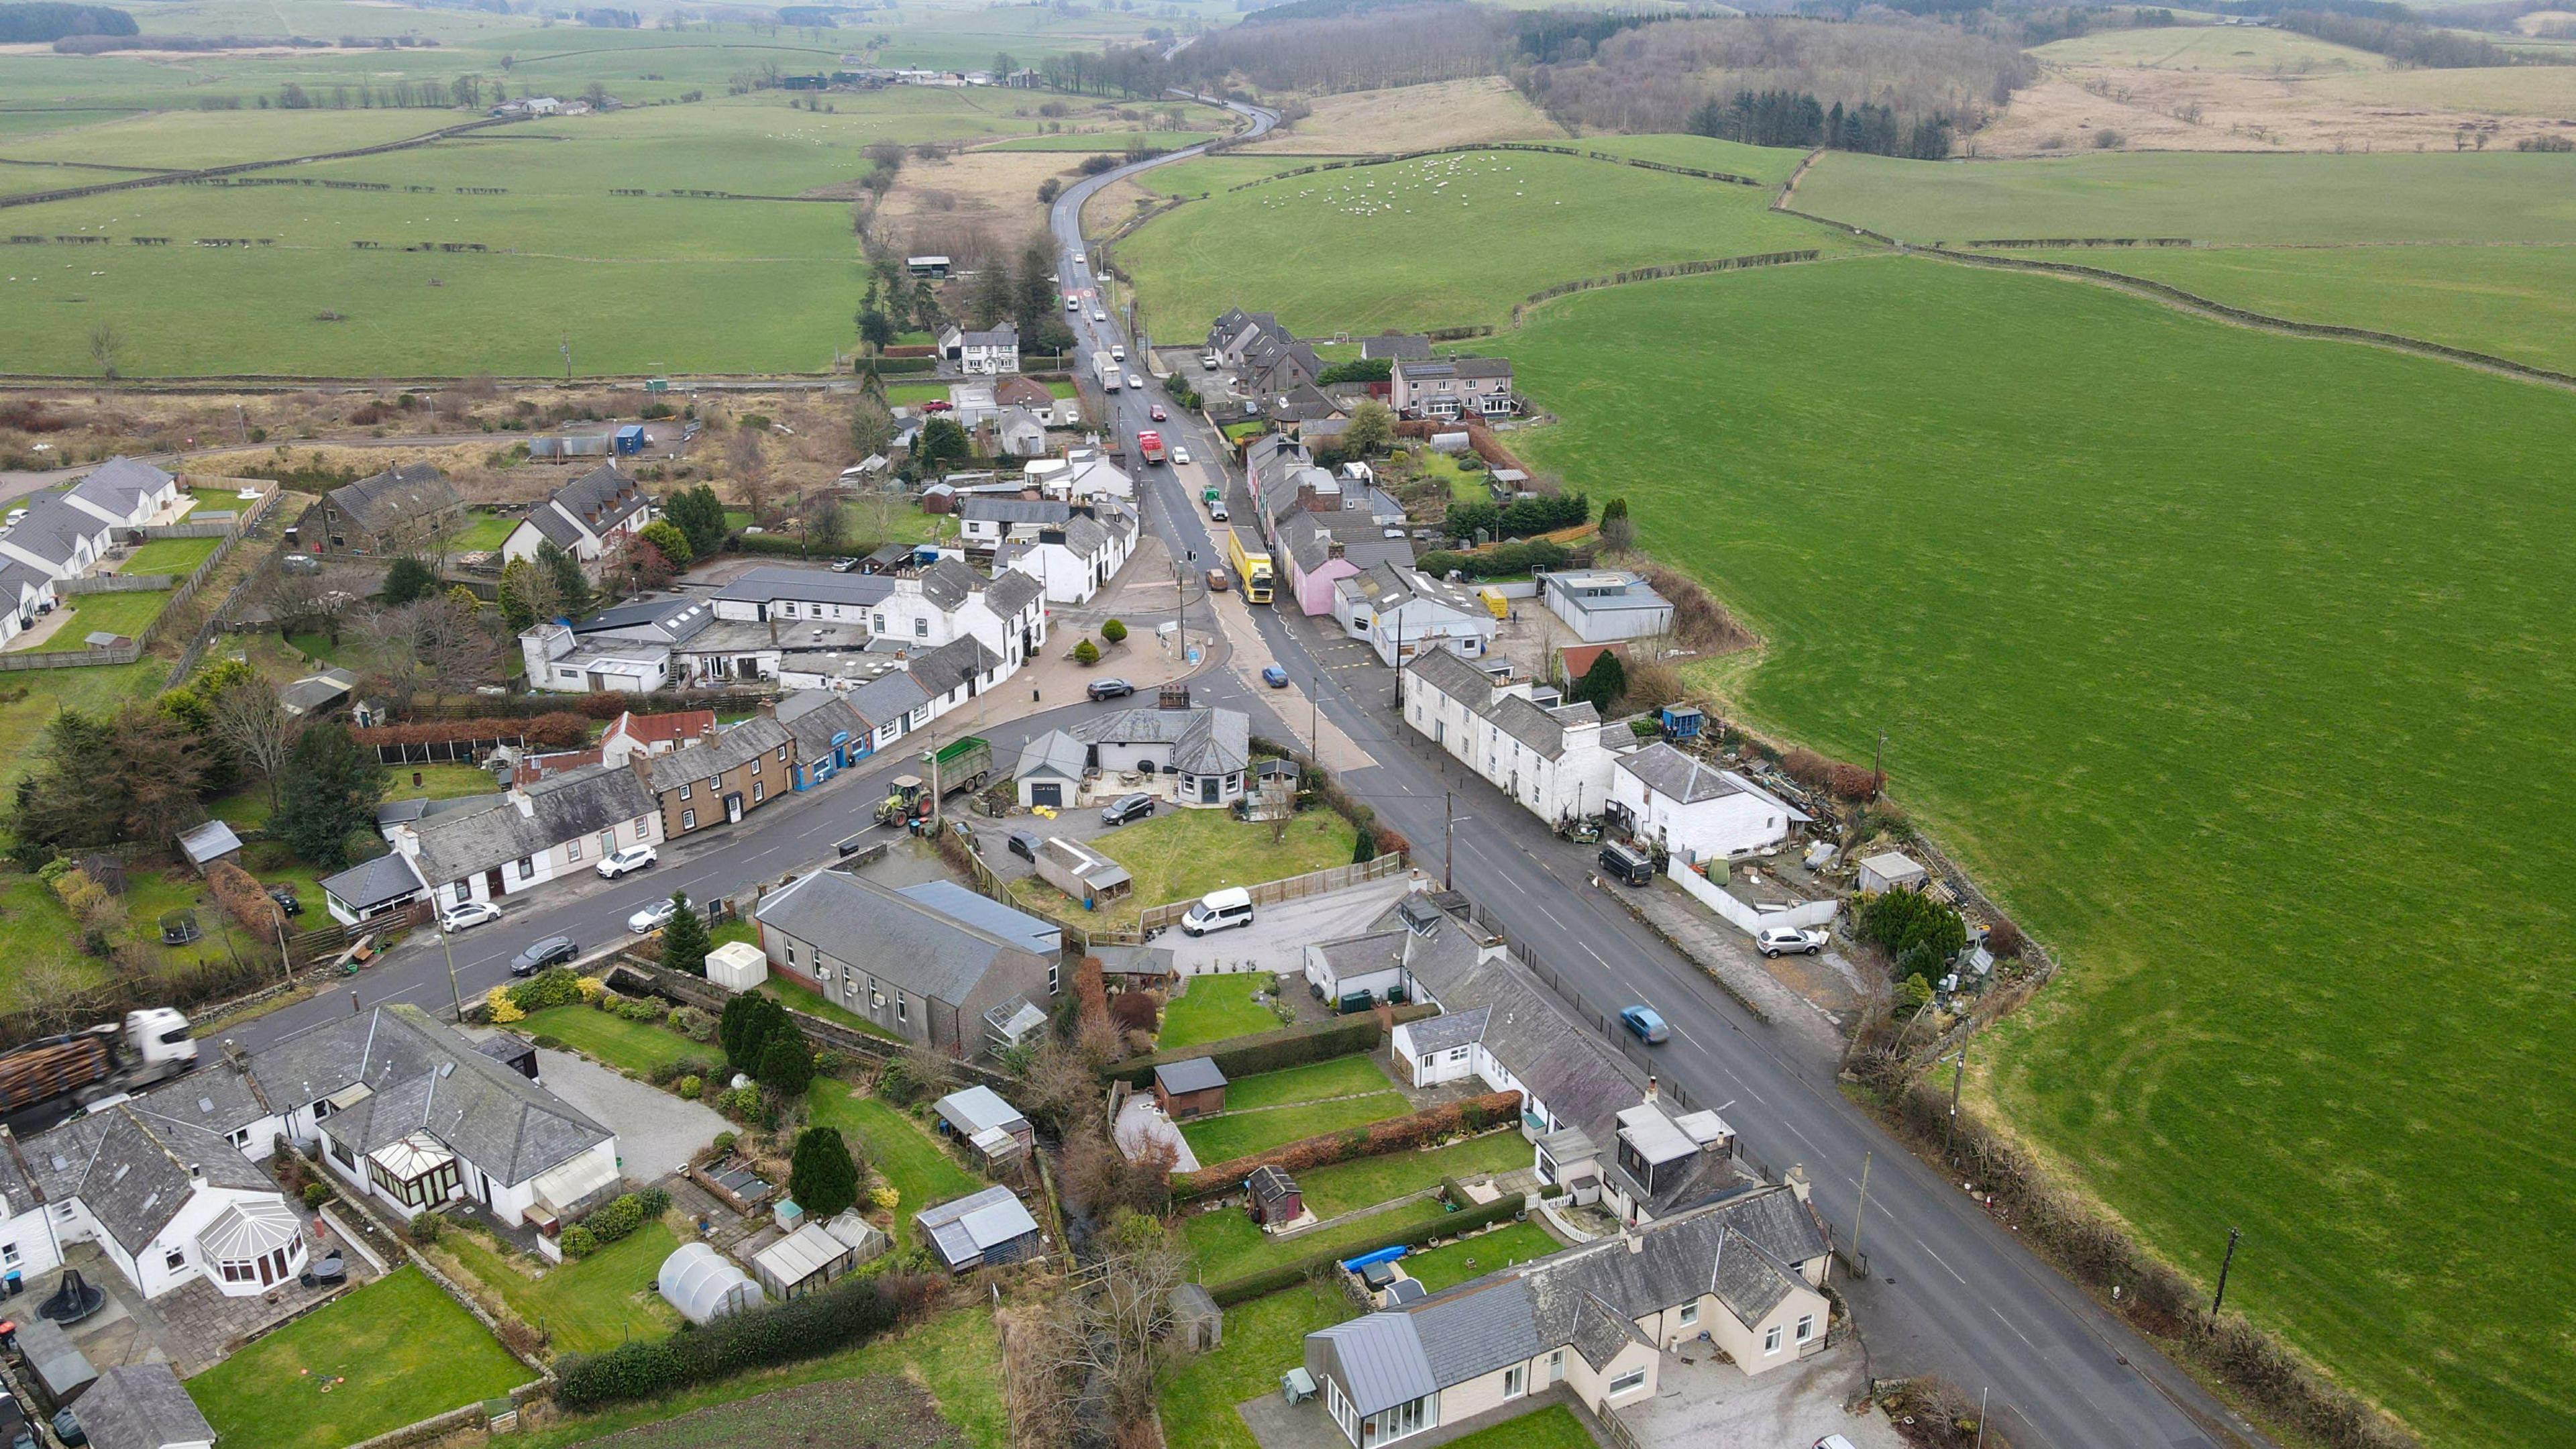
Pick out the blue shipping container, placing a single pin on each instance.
(630, 438)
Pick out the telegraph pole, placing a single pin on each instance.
(1958, 1070)
(1860, 1214)
(1448, 818)
(2223, 1265)
(455, 992)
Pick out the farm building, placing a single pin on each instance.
(982, 1229)
(1601, 605)
(1191, 1088)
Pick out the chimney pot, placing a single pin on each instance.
(1797, 1180)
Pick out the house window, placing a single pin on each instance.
(1512, 1381)
(688, 820)
(1690, 1315)
(1771, 1339)
(921, 628)
(876, 622)
(684, 791)
(791, 953)
(322, 1108)
(1055, 969)
(239, 1137)
(527, 867)
(1806, 1326)
(715, 782)
(901, 1007)
(757, 787)
(1457, 1054)
(1629, 1382)
(8, 1255)
(572, 850)
(174, 1260)
(782, 754)
(640, 825)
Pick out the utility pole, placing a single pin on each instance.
(1448, 819)
(930, 757)
(454, 992)
(1958, 1070)
(2223, 1265)
(1860, 1213)
(567, 356)
(1314, 719)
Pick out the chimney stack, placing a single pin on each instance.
(1797, 1180)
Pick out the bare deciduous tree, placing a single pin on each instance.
(106, 348)
(1114, 1334)
(248, 717)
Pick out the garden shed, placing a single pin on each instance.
(61, 1371)
(1891, 871)
(209, 845)
(802, 1262)
(737, 966)
(705, 1285)
(1197, 1322)
(1193, 1087)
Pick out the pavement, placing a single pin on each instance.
(1278, 936)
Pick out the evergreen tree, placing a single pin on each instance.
(572, 586)
(821, 1177)
(517, 609)
(943, 444)
(329, 789)
(1616, 530)
(684, 940)
(990, 301)
(734, 1026)
(786, 1062)
(665, 535)
(1604, 682)
(700, 517)
(407, 580)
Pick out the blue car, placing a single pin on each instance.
(1647, 1023)
(1275, 677)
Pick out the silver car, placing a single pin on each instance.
(1788, 940)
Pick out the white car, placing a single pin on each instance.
(1779, 940)
(1135, 383)
(1117, 352)
(1081, 260)
(632, 858)
(1180, 454)
(655, 916)
(1098, 315)
(467, 916)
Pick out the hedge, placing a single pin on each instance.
(790, 544)
(849, 1312)
(1449, 1225)
(559, 729)
(1395, 1134)
(1270, 1051)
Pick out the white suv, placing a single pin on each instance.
(1776, 940)
(632, 858)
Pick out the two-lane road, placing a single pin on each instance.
(1951, 1292)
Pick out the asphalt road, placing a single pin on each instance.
(1950, 1293)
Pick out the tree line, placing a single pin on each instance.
(33, 23)
(1794, 118)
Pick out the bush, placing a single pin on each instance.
(849, 1312)
(692, 1023)
(641, 1008)
(1114, 631)
(1135, 1010)
(556, 987)
(316, 1194)
(238, 892)
(884, 1199)
(1900, 921)
(721, 1144)
(424, 1228)
(1086, 653)
(689, 1087)
(498, 1006)
(821, 1178)
(616, 1220)
(578, 1242)
(2005, 940)
(740, 1103)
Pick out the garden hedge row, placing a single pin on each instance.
(1449, 1225)
(1271, 1051)
(849, 1312)
(1395, 1134)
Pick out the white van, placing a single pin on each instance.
(1218, 911)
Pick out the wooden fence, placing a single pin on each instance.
(116, 584)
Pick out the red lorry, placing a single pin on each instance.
(1150, 444)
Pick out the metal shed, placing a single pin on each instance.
(704, 1285)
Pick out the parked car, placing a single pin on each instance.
(1833, 1441)
(1646, 1022)
(1110, 689)
(1155, 412)
(632, 858)
(552, 951)
(1218, 911)
(1775, 940)
(1126, 808)
(1024, 844)
(844, 565)
(284, 895)
(1180, 454)
(655, 916)
(467, 916)
(1218, 583)
(1274, 676)
(939, 406)
(1209, 360)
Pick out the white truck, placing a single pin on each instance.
(1107, 370)
(153, 1045)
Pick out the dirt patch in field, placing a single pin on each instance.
(969, 205)
(1414, 118)
(882, 1411)
(2169, 110)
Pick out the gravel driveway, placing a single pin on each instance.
(657, 1133)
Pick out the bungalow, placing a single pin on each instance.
(123, 493)
(582, 517)
(529, 835)
(26, 591)
(1191, 1088)
(909, 967)
(54, 537)
(1601, 605)
(1549, 758)
(1693, 809)
(1448, 388)
(393, 512)
(1400, 613)
(379, 887)
(987, 352)
(993, 1127)
(1746, 1274)
(1019, 433)
(981, 1230)
(1209, 750)
(726, 775)
(1026, 392)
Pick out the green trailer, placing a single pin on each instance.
(964, 764)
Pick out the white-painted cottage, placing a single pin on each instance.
(1550, 759)
(1694, 809)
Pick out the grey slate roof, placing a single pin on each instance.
(813, 716)
(601, 498)
(1686, 778)
(952, 665)
(1014, 510)
(737, 744)
(1053, 753)
(560, 807)
(1358, 955)
(949, 583)
(1529, 724)
(1196, 1074)
(985, 914)
(771, 584)
(397, 497)
(913, 945)
(1451, 1029)
(388, 877)
(141, 1406)
(119, 484)
(424, 1076)
(1454, 677)
(1395, 344)
(883, 700)
(669, 619)
(1012, 592)
(1580, 1079)
(52, 528)
(129, 1165)
(18, 580)
(1204, 741)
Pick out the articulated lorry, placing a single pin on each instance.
(152, 1046)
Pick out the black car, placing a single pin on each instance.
(1024, 844)
(284, 895)
(552, 951)
(1126, 808)
(1111, 689)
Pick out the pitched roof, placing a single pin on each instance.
(1204, 741)
(985, 914)
(1688, 779)
(814, 716)
(672, 726)
(977, 1109)
(953, 665)
(1448, 1030)
(141, 1406)
(396, 497)
(737, 744)
(1012, 592)
(1395, 344)
(970, 1225)
(424, 1077)
(917, 947)
(1053, 753)
(388, 877)
(52, 528)
(209, 841)
(1381, 1360)
(119, 485)
(130, 1163)
(1454, 677)
(774, 583)
(887, 698)
(1014, 510)
(1193, 1074)
(576, 803)
(598, 500)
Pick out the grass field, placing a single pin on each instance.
(486, 531)
(1449, 239)
(1112, 143)
(1770, 164)
(386, 1355)
(2191, 687)
(631, 1046)
(1217, 1007)
(954, 1355)
(177, 556)
(1337, 1189)
(1262, 1338)
(1214, 173)
(1180, 855)
(2211, 47)
(2304, 199)
(1415, 118)
(1334, 1077)
(901, 1152)
(185, 140)
(896, 1411)
(583, 1305)
(1272, 1108)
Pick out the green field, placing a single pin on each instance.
(2211, 47)
(1449, 1266)
(1273, 1108)
(1448, 239)
(2202, 647)
(389, 1354)
(1207, 174)
(1114, 143)
(2292, 200)
(178, 556)
(1771, 164)
(185, 140)
(1335, 1077)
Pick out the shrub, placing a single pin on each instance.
(1852, 782)
(692, 1023)
(617, 1219)
(740, 1103)
(787, 1064)
(721, 1144)
(593, 990)
(689, 1087)
(424, 1228)
(1135, 1010)
(656, 1202)
(1899, 921)
(2005, 940)
(1086, 653)
(640, 1008)
(1114, 631)
(316, 1194)
(556, 987)
(579, 1242)
(884, 1199)
(501, 1008)
(238, 892)
(849, 1312)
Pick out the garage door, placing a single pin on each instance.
(1051, 794)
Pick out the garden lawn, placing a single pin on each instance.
(1180, 855)
(901, 1152)
(631, 1046)
(1349, 1076)
(2204, 689)
(1222, 1139)
(1218, 1007)
(1455, 1263)
(439, 782)
(177, 557)
(392, 1353)
(483, 532)
(955, 1354)
(1446, 240)
(126, 614)
(1228, 1244)
(1330, 1191)
(1263, 1338)
(584, 1305)
(1553, 1427)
